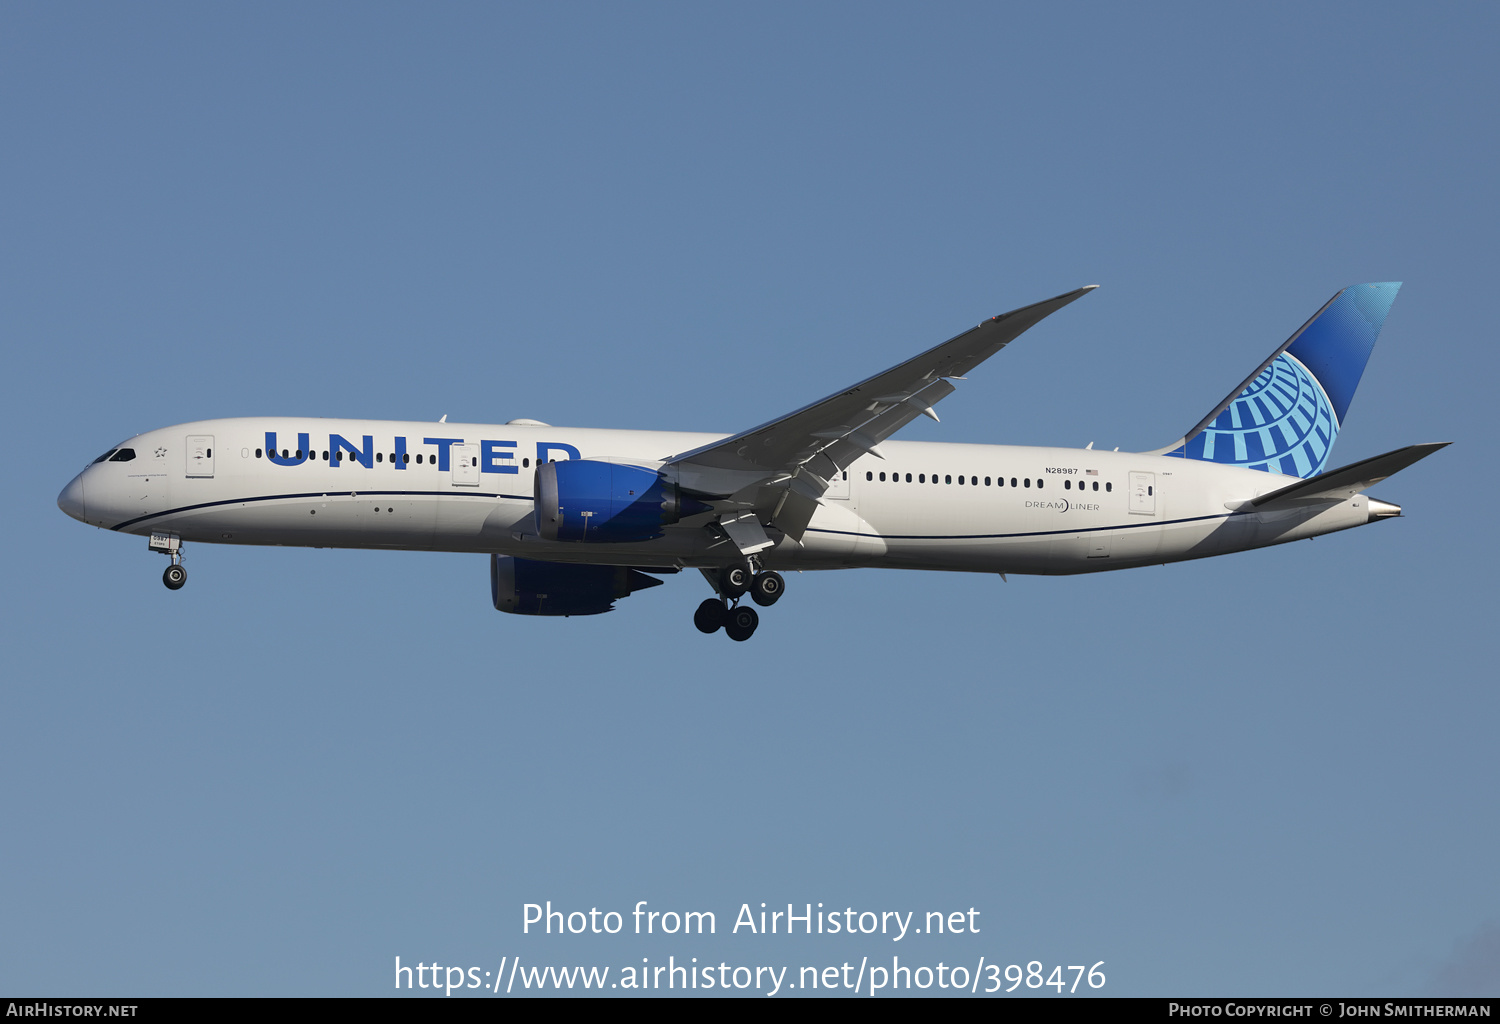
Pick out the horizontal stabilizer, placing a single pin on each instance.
(1343, 484)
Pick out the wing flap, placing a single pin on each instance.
(745, 532)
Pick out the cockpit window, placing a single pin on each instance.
(104, 456)
(123, 455)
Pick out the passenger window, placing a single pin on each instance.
(960, 480)
(908, 478)
(871, 476)
(947, 479)
(405, 457)
(1012, 481)
(1039, 482)
(526, 463)
(1067, 485)
(921, 478)
(1028, 481)
(257, 453)
(379, 457)
(419, 460)
(123, 455)
(1107, 486)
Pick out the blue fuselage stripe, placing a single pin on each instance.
(318, 494)
(527, 497)
(1032, 533)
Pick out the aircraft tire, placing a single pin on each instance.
(734, 580)
(742, 623)
(767, 588)
(174, 577)
(710, 616)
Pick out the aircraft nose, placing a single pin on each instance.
(71, 499)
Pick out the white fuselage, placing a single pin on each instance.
(469, 487)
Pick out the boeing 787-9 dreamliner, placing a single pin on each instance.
(572, 520)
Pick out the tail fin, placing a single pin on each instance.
(1285, 416)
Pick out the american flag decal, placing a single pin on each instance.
(1090, 472)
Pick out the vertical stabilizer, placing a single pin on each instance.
(1285, 416)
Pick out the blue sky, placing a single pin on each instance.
(1272, 773)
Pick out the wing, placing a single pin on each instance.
(782, 468)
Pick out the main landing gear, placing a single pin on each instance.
(738, 622)
(733, 582)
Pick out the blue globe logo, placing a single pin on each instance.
(1282, 423)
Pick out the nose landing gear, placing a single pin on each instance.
(170, 544)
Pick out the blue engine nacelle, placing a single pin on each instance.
(578, 499)
(522, 586)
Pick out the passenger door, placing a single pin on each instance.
(465, 463)
(1143, 494)
(200, 455)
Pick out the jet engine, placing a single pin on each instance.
(606, 502)
(523, 586)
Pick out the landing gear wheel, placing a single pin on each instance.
(742, 623)
(767, 588)
(734, 580)
(711, 614)
(174, 577)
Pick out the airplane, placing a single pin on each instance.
(574, 519)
